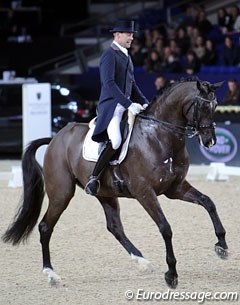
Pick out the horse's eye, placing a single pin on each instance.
(211, 96)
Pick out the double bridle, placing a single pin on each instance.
(190, 130)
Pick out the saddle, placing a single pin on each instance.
(92, 149)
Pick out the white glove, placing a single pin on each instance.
(145, 106)
(135, 108)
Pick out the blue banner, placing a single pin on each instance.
(226, 150)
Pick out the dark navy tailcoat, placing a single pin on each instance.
(117, 86)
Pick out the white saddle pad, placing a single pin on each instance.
(90, 147)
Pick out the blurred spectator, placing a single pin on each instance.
(171, 62)
(192, 64)
(223, 20)
(230, 52)
(182, 40)
(234, 13)
(236, 25)
(159, 47)
(192, 33)
(160, 83)
(211, 56)
(190, 17)
(232, 96)
(156, 34)
(137, 53)
(203, 24)
(175, 47)
(199, 47)
(147, 40)
(153, 62)
(171, 32)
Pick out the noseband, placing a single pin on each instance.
(190, 130)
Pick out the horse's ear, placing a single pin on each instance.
(200, 87)
(215, 86)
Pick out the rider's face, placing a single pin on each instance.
(124, 39)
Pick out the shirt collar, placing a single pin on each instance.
(124, 50)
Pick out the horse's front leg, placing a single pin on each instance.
(149, 201)
(187, 192)
(114, 225)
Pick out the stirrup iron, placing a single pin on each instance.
(93, 185)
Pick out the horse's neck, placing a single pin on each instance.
(167, 111)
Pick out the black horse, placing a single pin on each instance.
(156, 163)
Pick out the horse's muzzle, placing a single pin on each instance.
(207, 138)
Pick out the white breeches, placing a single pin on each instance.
(113, 129)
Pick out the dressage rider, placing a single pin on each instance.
(118, 93)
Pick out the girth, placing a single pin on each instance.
(119, 182)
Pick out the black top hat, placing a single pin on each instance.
(126, 26)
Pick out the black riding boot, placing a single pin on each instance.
(93, 184)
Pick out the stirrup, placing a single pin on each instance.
(93, 186)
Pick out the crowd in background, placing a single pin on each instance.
(182, 47)
(231, 97)
(188, 46)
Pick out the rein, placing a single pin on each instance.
(172, 127)
(190, 130)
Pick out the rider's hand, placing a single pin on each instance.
(145, 106)
(135, 108)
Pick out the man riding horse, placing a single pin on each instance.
(119, 92)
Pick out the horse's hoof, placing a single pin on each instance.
(172, 281)
(53, 278)
(143, 264)
(221, 252)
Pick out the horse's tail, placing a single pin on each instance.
(32, 198)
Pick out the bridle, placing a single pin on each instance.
(195, 125)
(193, 129)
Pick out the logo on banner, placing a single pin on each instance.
(39, 95)
(224, 150)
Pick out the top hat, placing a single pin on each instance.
(126, 26)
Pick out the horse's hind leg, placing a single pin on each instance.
(188, 193)
(60, 192)
(114, 225)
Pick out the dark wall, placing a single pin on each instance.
(67, 10)
(53, 14)
(20, 56)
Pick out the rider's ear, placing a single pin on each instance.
(200, 87)
(215, 86)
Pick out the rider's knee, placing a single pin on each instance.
(116, 143)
